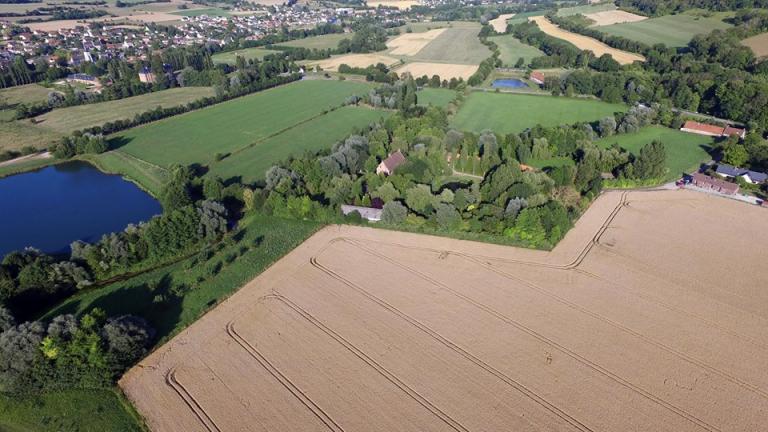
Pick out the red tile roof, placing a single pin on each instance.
(394, 160)
(704, 128)
(706, 181)
(730, 130)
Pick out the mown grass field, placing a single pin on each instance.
(512, 49)
(252, 163)
(230, 57)
(30, 93)
(459, 45)
(68, 120)
(586, 9)
(671, 30)
(196, 137)
(523, 17)
(685, 151)
(148, 176)
(435, 96)
(17, 134)
(69, 410)
(507, 113)
(318, 42)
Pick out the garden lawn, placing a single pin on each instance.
(685, 151)
(69, 410)
(230, 57)
(508, 113)
(196, 137)
(67, 120)
(512, 49)
(318, 42)
(671, 30)
(322, 132)
(435, 96)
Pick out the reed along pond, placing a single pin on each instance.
(50, 208)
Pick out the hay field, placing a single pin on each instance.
(409, 44)
(318, 42)
(671, 30)
(444, 70)
(586, 9)
(629, 324)
(70, 119)
(759, 44)
(586, 43)
(511, 49)
(458, 45)
(354, 60)
(500, 23)
(230, 57)
(508, 113)
(614, 17)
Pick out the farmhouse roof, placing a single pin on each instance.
(369, 213)
(723, 186)
(730, 130)
(702, 127)
(394, 160)
(537, 76)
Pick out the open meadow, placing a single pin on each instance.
(586, 9)
(671, 30)
(435, 96)
(196, 137)
(318, 42)
(507, 113)
(586, 43)
(251, 163)
(512, 49)
(458, 44)
(685, 151)
(230, 57)
(759, 44)
(628, 324)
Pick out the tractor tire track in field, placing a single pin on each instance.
(543, 339)
(282, 379)
(538, 399)
(196, 408)
(391, 377)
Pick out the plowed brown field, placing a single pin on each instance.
(651, 315)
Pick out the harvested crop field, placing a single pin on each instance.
(639, 320)
(500, 23)
(586, 43)
(410, 44)
(458, 44)
(759, 44)
(614, 17)
(444, 70)
(355, 60)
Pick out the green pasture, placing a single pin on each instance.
(230, 57)
(150, 177)
(29, 93)
(435, 96)
(17, 134)
(459, 45)
(322, 132)
(512, 49)
(685, 151)
(68, 120)
(318, 42)
(196, 137)
(507, 113)
(671, 30)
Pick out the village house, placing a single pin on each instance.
(537, 77)
(388, 165)
(368, 213)
(748, 176)
(717, 185)
(711, 130)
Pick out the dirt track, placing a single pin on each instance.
(649, 316)
(586, 43)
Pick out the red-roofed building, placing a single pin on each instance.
(717, 185)
(388, 165)
(537, 77)
(712, 130)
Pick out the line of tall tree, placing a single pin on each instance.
(666, 7)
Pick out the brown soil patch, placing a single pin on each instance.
(586, 43)
(355, 60)
(649, 316)
(605, 18)
(409, 44)
(444, 70)
(500, 24)
(759, 44)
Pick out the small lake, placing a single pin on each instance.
(508, 83)
(50, 208)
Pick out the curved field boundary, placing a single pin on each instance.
(397, 382)
(586, 43)
(543, 339)
(540, 400)
(190, 401)
(285, 381)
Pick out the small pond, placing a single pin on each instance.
(50, 208)
(508, 83)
